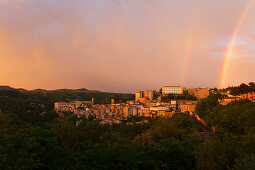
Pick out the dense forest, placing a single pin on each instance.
(32, 138)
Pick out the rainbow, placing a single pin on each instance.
(187, 60)
(231, 43)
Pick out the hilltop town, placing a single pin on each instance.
(148, 103)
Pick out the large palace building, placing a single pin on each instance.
(172, 90)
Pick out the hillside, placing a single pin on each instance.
(32, 140)
(6, 88)
(29, 105)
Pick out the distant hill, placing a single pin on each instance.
(69, 90)
(81, 90)
(39, 90)
(28, 105)
(21, 89)
(6, 88)
(51, 96)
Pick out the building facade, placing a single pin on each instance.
(188, 107)
(62, 107)
(172, 90)
(228, 100)
(138, 95)
(200, 93)
(250, 96)
(147, 94)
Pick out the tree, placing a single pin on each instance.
(24, 147)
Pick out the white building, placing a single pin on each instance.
(172, 90)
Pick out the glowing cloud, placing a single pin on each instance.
(119, 45)
(231, 43)
(13, 1)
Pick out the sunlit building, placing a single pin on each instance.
(138, 95)
(147, 94)
(188, 107)
(228, 100)
(249, 96)
(172, 90)
(62, 107)
(200, 93)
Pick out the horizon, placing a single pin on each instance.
(126, 46)
(133, 92)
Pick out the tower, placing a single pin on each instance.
(112, 101)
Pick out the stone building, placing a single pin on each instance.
(172, 90)
(228, 100)
(188, 108)
(200, 93)
(147, 94)
(62, 107)
(249, 96)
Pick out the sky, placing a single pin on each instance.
(124, 45)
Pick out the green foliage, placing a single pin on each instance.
(94, 146)
(100, 97)
(25, 147)
(207, 107)
(245, 162)
(243, 88)
(170, 97)
(187, 125)
(165, 143)
(220, 152)
(232, 143)
(25, 107)
(118, 99)
(134, 119)
(31, 138)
